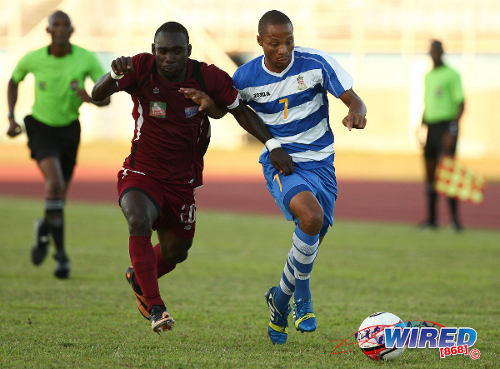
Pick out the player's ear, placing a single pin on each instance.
(259, 40)
(153, 50)
(189, 49)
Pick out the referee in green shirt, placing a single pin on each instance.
(444, 106)
(53, 128)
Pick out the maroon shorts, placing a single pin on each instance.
(175, 203)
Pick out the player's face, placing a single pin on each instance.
(60, 29)
(277, 43)
(171, 51)
(436, 52)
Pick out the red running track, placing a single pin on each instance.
(366, 200)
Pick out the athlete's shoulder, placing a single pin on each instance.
(208, 69)
(245, 74)
(308, 55)
(80, 50)
(84, 55)
(143, 58)
(37, 53)
(142, 63)
(452, 70)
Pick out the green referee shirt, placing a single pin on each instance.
(443, 94)
(56, 102)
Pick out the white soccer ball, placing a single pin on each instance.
(371, 339)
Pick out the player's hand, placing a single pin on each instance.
(83, 95)
(199, 97)
(14, 128)
(122, 65)
(421, 134)
(354, 120)
(280, 159)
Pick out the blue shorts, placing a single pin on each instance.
(320, 181)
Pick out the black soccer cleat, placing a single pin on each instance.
(39, 250)
(62, 269)
(160, 319)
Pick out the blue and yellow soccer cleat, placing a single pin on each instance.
(278, 323)
(303, 315)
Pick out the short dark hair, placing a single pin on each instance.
(172, 27)
(437, 43)
(274, 17)
(59, 13)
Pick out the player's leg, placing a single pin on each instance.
(309, 218)
(141, 212)
(55, 192)
(283, 189)
(430, 171)
(171, 250)
(431, 155)
(449, 144)
(67, 140)
(43, 145)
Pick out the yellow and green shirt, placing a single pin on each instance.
(443, 94)
(56, 102)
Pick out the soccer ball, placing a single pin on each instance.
(371, 339)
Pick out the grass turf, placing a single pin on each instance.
(216, 296)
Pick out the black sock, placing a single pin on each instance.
(453, 209)
(431, 203)
(54, 218)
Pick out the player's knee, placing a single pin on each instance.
(178, 252)
(55, 189)
(139, 224)
(311, 221)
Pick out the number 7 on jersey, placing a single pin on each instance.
(285, 110)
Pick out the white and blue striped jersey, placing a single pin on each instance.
(294, 105)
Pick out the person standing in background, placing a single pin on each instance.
(443, 108)
(53, 129)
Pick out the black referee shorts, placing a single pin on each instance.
(433, 148)
(60, 142)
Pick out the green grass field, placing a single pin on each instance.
(216, 296)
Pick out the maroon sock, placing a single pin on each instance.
(144, 264)
(163, 266)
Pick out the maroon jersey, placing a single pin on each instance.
(170, 132)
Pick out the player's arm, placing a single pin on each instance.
(251, 123)
(356, 117)
(84, 96)
(205, 102)
(14, 128)
(107, 85)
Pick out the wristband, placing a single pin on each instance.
(116, 76)
(272, 144)
(10, 115)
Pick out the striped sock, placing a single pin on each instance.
(286, 286)
(54, 218)
(305, 248)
